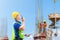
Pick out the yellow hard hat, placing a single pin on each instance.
(14, 14)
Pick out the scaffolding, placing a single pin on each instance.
(39, 35)
(48, 34)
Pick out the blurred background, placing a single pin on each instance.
(28, 9)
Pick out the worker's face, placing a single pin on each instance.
(18, 17)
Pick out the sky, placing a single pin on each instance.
(28, 9)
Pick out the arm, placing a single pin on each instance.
(22, 27)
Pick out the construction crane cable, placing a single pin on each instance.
(38, 10)
(55, 15)
(40, 14)
(55, 10)
(42, 11)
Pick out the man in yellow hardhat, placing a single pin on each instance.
(18, 26)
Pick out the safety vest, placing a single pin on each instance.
(21, 33)
(13, 34)
(44, 25)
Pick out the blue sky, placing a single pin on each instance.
(28, 9)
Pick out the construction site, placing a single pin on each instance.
(44, 31)
(47, 34)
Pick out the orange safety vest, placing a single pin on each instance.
(44, 25)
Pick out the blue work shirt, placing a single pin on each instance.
(17, 25)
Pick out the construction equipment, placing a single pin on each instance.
(54, 18)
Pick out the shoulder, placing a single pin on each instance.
(15, 24)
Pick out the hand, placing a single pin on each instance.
(22, 28)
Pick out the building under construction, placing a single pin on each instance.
(54, 17)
